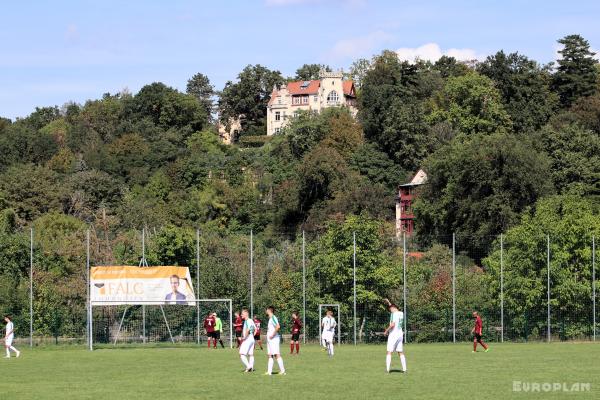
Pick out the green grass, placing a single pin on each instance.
(435, 371)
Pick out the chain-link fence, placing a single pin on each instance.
(539, 288)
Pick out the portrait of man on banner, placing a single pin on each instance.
(174, 296)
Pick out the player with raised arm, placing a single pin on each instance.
(247, 345)
(9, 336)
(238, 325)
(273, 340)
(476, 331)
(328, 325)
(395, 336)
(296, 327)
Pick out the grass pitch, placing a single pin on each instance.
(435, 371)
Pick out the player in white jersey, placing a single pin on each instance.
(273, 340)
(395, 336)
(328, 325)
(9, 336)
(247, 346)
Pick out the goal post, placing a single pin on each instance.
(336, 314)
(159, 324)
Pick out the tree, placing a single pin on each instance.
(358, 71)
(449, 67)
(199, 86)
(577, 75)
(471, 104)
(477, 187)
(377, 167)
(247, 98)
(575, 158)
(309, 72)
(525, 89)
(167, 107)
(386, 80)
(570, 222)
(376, 274)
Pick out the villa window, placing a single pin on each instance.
(277, 116)
(333, 97)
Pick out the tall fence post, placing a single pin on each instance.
(251, 274)
(143, 262)
(304, 286)
(404, 284)
(501, 289)
(548, 283)
(31, 288)
(354, 279)
(89, 292)
(198, 285)
(594, 287)
(453, 288)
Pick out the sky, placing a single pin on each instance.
(54, 52)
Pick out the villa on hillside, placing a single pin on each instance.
(330, 90)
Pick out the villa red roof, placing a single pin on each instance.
(296, 87)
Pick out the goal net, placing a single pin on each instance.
(335, 308)
(168, 324)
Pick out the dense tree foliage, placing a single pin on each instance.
(495, 139)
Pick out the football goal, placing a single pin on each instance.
(336, 315)
(168, 324)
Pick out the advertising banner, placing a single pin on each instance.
(115, 285)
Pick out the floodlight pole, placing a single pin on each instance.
(501, 289)
(251, 273)
(354, 279)
(548, 285)
(89, 291)
(594, 286)
(453, 288)
(303, 286)
(198, 285)
(31, 289)
(404, 283)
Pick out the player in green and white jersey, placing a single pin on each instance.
(395, 336)
(273, 339)
(247, 346)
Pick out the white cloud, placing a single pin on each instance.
(360, 46)
(433, 52)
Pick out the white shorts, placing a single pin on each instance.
(247, 346)
(327, 336)
(273, 346)
(8, 341)
(395, 341)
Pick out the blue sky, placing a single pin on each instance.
(60, 51)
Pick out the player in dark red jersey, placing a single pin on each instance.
(476, 331)
(209, 326)
(257, 332)
(238, 326)
(296, 327)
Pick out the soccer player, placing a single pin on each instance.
(9, 336)
(395, 337)
(296, 327)
(476, 331)
(209, 326)
(218, 329)
(273, 340)
(257, 332)
(238, 325)
(328, 325)
(247, 345)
